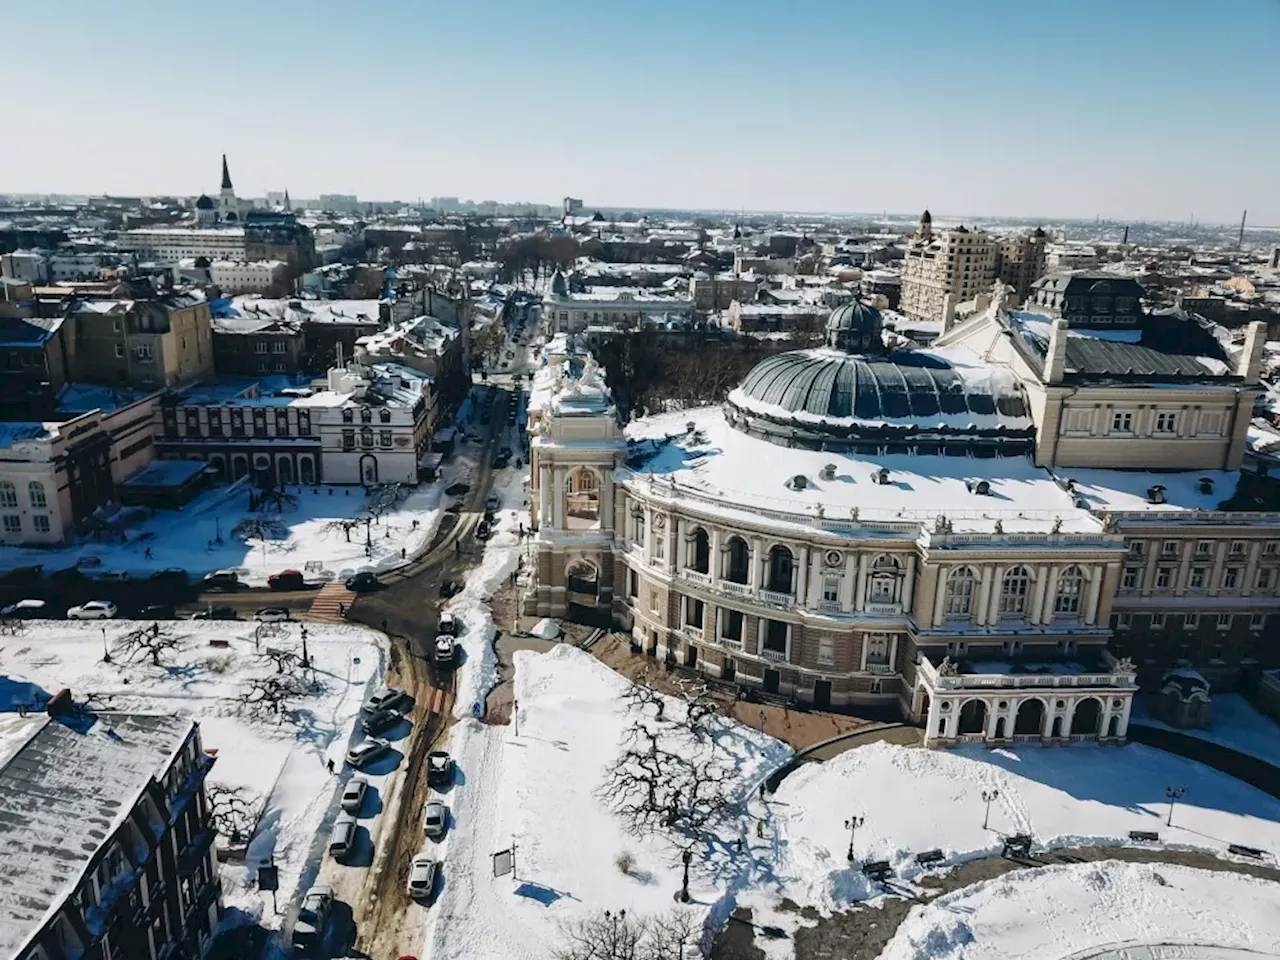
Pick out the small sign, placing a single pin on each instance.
(268, 877)
(504, 862)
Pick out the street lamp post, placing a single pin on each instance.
(306, 659)
(106, 654)
(987, 797)
(1173, 795)
(686, 857)
(852, 825)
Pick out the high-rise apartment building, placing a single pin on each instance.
(959, 263)
(1021, 262)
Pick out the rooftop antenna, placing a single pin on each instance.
(1240, 241)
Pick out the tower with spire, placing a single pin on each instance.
(230, 209)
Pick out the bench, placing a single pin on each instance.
(217, 642)
(1017, 846)
(1146, 836)
(1242, 851)
(877, 870)
(928, 857)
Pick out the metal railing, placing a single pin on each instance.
(776, 655)
(777, 599)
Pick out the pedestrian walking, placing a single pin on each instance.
(342, 610)
(762, 793)
(760, 829)
(402, 553)
(384, 626)
(330, 764)
(457, 546)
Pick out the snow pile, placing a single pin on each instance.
(538, 791)
(546, 629)
(478, 669)
(278, 765)
(916, 800)
(1090, 909)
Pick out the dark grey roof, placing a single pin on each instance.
(1082, 281)
(900, 386)
(62, 795)
(855, 315)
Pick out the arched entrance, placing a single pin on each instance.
(1113, 729)
(1057, 728)
(368, 469)
(1030, 718)
(1000, 722)
(219, 464)
(240, 467)
(973, 717)
(306, 470)
(284, 470)
(1088, 713)
(582, 591)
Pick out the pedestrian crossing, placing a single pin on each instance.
(329, 603)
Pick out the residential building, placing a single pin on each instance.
(959, 264)
(427, 344)
(1021, 261)
(175, 244)
(712, 292)
(277, 235)
(255, 346)
(616, 307)
(37, 354)
(108, 836)
(264, 277)
(26, 266)
(151, 341)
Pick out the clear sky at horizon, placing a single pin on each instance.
(1156, 109)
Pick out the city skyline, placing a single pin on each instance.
(835, 108)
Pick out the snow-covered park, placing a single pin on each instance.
(228, 676)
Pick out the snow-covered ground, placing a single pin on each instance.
(1092, 909)
(187, 538)
(916, 800)
(278, 764)
(536, 790)
(1236, 724)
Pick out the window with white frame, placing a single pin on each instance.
(12, 523)
(639, 525)
(1136, 547)
(694, 610)
(8, 494)
(1191, 621)
(1124, 621)
(826, 649)
(1197, 577)
(1230, 578)
(1163, 577)
(41, 523)
(1257, 621)
(1129, 579)
(877, 649)
(260, 346)
(959, 596)
(831, 589)
(1265, 578)
(1169, 550)
(1237, 548)
(1204, 548)
(1013, 592)
(1066, 599)
(1122, 421)
(36, 495)
(659, 545)
(1166, 423)
(1271, 548)
(1224, 621)
(1157, 621)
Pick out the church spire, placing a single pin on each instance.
(288, 207)
(226, 174)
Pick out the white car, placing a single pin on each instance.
(93, 610)
(422, 877)
(433, 819)
(272, 615)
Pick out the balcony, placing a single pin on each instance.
(777, 599)
(736, 589)
(693, 576)
(880, 669)
(778, 656)
(884, 609)
(830, 606)
(693, 633)
(729, 643)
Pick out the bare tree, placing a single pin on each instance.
(234, 811)
(271, 696)
(11, 627)
(260, 528)
(609, 935)
(154, 641)
(385, 497)
(343, 524)
(277, 498)
(666, 935)
(286, 661)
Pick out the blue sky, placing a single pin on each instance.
(1122, 108)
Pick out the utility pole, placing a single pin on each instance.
(1173, 794)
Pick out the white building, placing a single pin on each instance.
(174, 244)
(26, 266)
(619, 307)
(235, 276)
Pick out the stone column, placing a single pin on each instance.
(1149, 568)
(984, 597)
(544, 496)
(558, 504)
(646, 547)
(802, 578)
(714, 563)
(849, 586)
(757, 564)
(1251, 568)
(909, 584)
(1215, 575)
(1110, 583)
(1046, 726)
(1037, 597)
(606, 499)
(931, 720)
(676, 545)
(1050, 593)
(940, 597)
(993, 605)
(1123, 729)
(860, 595)
(1092, 592)
(1184, 568)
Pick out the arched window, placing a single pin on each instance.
(8, 494)
(385, 415)
(366, 415)
(737, 561)
(366, 437)
(959, 601)
(582, 500)
(699, 551)
(885, 580)
(1013, 592)
(348, 415)
(781, 565)
(1067, 598)
(35, 492)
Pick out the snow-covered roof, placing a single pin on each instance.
(64, 790)
(1127, 490)
(18, 431)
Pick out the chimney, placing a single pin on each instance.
(1249, 364)
(948, 311)
(1055, 361)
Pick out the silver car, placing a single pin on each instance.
(343, 838)
(312, 916)
(422, 877)
(353, 794)
(433, 818)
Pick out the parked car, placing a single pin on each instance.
(492, 502)
(217, 612)
(286, 580)
(422, 877)
(353, 794)
(500, 461)
(313, 915)
(439, 768)
(25, 610)
(380, 721)
(156, 611)
(483, 530)
(445, 649)
(343, 838)
(272, 615)
(112, 576)
(363, 581)
(449, 587)
(93, 610)
(175, 576)
(448, 624)
(367, 751)
(221, 580)
(387, 698)
(434, 817)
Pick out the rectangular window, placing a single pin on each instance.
(348, 439)
(633, 584)
(1204, 548)
(1166, 422)
(1157, 621)
(1191, 621)
(775, 636)
(831, 589)
(1122, 422)
(1237, 548)
(278, 346)
(693, 612)
(1265, 578)
(653, 600)
(1163, 575)
(120, 350)
(826, 650)
(1169, 549)
(731, 625)
(143, 352)
(1271, 548)
(1124, 621)
(659, 545)
(1257, 621)
(260, 347)
(1224, 621)
(384, 438)
(1136, 547)
(1130, 579)
(1230, 578)
(1198, 577)
(12, 523)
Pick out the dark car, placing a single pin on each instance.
(380, 721)
(156, 611)
(387, 698)
(174, 576)
(500, 461)
(219, 612)
(286, 580)
(450, 587)
(68, 576)
(361, 582)
(439, 768)
(221, 580)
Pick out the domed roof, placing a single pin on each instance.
(204, 203)
(829, 391)
(855, 327)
